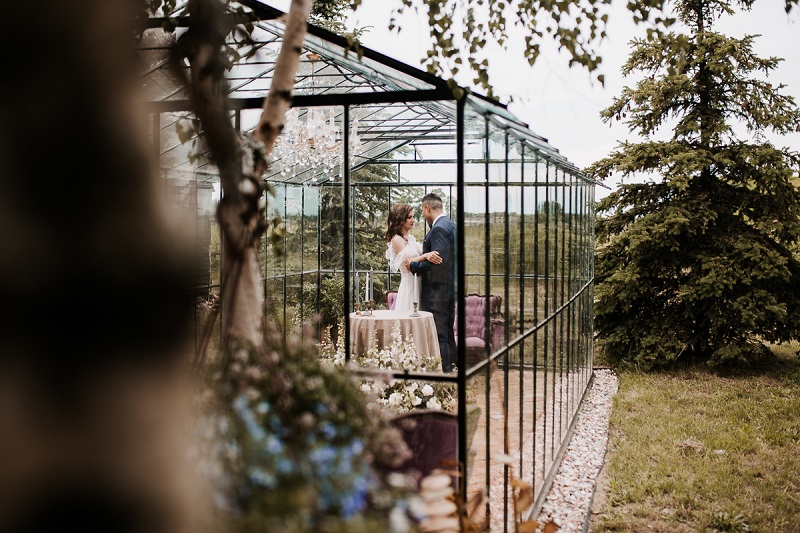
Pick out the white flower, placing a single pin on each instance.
(365, 387)
(413, 386)
(427, 390)
(416, 400)
(395, 399)
(433, 403)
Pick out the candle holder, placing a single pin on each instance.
(358, 309)
(367, 309)
(415, 313)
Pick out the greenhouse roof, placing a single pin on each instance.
(396, 104)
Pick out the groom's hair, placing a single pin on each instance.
(433, 201)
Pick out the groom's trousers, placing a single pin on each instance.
(444, 315)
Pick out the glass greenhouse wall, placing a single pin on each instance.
(524, 221)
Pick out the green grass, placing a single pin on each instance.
(697, 450)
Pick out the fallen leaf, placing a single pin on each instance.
(524, 499)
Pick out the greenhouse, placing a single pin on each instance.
(367, 132)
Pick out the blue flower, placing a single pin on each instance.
(322, 457)
(261, 477)
(356, 447)
(352, 503)
(327, 429)
(273, 445)
(284, 466)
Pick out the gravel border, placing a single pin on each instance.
(569, 500)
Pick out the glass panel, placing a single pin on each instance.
(331, 244)
(294, 231)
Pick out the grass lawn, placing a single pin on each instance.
(696, 450)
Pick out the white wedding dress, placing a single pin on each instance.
(407, 293)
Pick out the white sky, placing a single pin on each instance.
(562, 103)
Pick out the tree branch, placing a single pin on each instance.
(279, 98)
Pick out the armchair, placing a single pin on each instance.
(476, 328)
(432, 437)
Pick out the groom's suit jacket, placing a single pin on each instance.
(438, 281)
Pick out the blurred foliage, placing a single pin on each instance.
(290, 444)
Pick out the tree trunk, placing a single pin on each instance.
(238, 214)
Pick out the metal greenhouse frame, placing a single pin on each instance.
(524, 218)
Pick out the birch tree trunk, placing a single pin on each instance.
(238, 214)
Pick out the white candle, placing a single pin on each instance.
(358, 286)
(416, 289)
(371, 284)
(366, 289)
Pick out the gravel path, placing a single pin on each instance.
(570, 497)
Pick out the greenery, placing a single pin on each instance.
(697, 450)
(701, 263)
(460, 30)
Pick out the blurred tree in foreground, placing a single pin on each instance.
(94, 280)
(699, 264)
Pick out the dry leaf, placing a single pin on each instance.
(517, 482)
(524, 498)
(528, 526)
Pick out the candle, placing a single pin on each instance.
(366, 289)
(358, 286)
(416, 289)
(371, 284)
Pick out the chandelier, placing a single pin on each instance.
(316, 142)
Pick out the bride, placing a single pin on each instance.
(402, 246)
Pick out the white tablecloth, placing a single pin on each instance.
(379, 326)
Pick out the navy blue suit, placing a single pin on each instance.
(439, 286)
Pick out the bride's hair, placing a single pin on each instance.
(398, 214)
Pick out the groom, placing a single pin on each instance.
(438, 281)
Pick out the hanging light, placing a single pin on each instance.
(314, 143)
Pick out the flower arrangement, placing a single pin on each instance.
(289, 444)
(398, 395)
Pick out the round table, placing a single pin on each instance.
(379, 327)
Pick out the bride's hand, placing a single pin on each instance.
(434, 257)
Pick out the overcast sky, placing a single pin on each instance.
(562, 103)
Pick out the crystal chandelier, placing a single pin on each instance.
(314, 143)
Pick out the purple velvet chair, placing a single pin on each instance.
(432, 437)
(477, 332)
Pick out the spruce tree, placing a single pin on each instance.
(701, 262)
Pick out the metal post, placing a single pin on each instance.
(346, 233)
